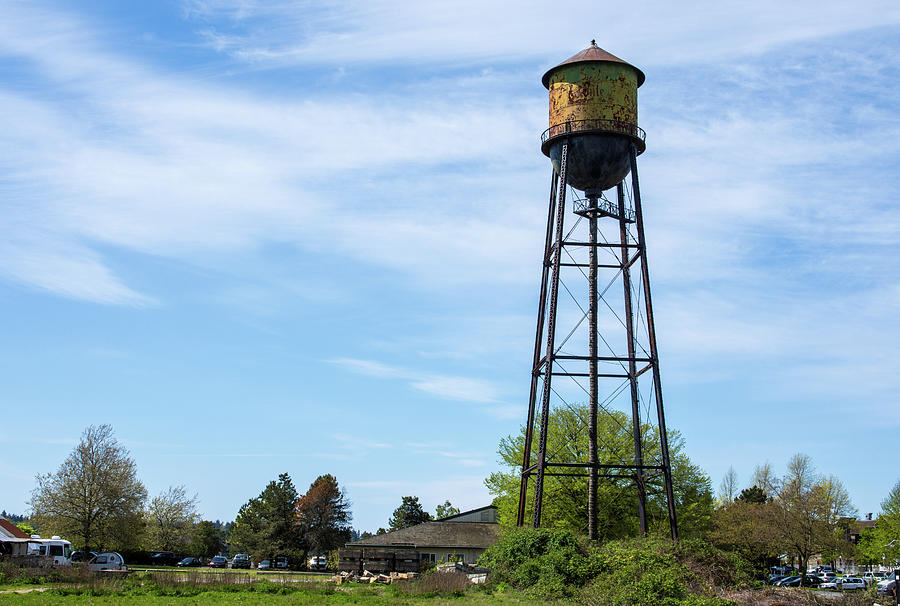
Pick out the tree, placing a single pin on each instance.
(323, 514)
(728, 487)
(408, 514)
(206, 541)
(881, 544)
(745, 526)
(445, 510)
(765, 478)
(808, 510)
(95, 497)
(754, 494)
(265, 526)
(889, 524)
(26, 528)
(565, 499)
(170, 519)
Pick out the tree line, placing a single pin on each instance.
(96, 500)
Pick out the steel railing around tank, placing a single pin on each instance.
(595, 125)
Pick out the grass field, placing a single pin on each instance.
(181, 587)
(300, 598)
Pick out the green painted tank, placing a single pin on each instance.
(593, 106)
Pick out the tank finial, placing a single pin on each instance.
(594, 42)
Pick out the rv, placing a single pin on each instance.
(59, 549)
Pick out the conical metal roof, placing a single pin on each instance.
(591, 54)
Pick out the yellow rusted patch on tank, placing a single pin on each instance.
(594, 92)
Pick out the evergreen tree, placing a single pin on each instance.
(408, 514)
(323, 514)
(266, 525)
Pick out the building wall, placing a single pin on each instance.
(488, 515)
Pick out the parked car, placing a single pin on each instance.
(811, 580)
(218, 562)
(281, 562)
(82, 556)
(240, 560)
(163, 558)
(850, 583)
(318, 563)
(186, 562)
(108, 560)
(887, 586)
(264, 565)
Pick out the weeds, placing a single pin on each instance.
(435, 584)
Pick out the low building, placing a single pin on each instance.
(13, 541)
(459, 538)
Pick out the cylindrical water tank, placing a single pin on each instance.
(593, 106)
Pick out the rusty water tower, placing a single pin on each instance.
(593, 142)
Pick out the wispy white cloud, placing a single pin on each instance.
(354, 32)
(444, 386)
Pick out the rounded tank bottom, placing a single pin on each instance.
(594, 162)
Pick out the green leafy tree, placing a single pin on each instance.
(323, 514)
(565, 499)
(889, 524)
(266, 525)
(746, 527)
(809, 509)
(95, 498)
(445, 510)
(170, 519)
(408, 514)
(26, 528)
(206, 541)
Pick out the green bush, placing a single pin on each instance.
(663, 573)
(549, 562)
(555, 563)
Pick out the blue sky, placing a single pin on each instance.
(258, 237)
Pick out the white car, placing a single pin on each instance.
(108, 560)
(850, 583)
(829, 584)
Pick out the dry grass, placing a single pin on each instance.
(435, 583)
(787, 596)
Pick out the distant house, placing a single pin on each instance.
(458, 538)
(13, 541)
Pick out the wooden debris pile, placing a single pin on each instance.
(370, 577)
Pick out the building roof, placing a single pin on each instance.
(465, 513)
(436, 534)
(8, 529)
(591, 54)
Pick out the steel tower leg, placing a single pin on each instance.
(592, 365)
(535, 367)
(551, 337)
(654, 358)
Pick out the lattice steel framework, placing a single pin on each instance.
(616, 366)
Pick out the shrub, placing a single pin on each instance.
(554, 563)
(663, 573)
(548, 562)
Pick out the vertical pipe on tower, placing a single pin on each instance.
(535, 366)
(592, 354)
(551, 337)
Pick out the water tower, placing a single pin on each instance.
(606, 349)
